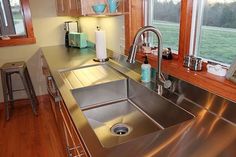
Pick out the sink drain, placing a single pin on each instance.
(120, 129)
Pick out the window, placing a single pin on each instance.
(15, 23)
(165, 15)
(204, 28)
(214, 36)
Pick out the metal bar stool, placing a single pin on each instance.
(19, 68)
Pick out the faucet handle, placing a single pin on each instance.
(167, 84)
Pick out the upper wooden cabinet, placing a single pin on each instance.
(74, 7)
(68, 7)
(84, 7)
(60, 7)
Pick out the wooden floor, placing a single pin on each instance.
(25, 135)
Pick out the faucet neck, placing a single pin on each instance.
(132, 53)
(134, 47)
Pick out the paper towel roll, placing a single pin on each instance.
(101, 51)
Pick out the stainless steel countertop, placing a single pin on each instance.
(205, 136)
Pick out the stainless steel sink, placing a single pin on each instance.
(118, 108)
(119, 122)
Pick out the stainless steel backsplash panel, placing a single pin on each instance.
(215, 104)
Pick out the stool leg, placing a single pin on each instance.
(28, 91)
(10, 92)
(31, 86)
(5, 93)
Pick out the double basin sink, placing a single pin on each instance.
(118, 108)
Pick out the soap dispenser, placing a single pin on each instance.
(145, 71)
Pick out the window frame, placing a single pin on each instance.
(136, 19)
(196, 34)
(185, 28)
(29, 38)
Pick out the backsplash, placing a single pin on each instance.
(113, 27)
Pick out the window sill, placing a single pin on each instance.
(215, 84)
(17, 41)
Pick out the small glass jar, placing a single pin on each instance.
(195, 64)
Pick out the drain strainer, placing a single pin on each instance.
(120, 129)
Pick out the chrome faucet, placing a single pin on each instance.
(160, 79)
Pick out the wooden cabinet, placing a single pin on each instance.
(73, 145)
(68, 7)
(74, 8)
(67, 131)
(84, 7)
(61, 7)
(51, 87)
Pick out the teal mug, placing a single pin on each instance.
(113, 5)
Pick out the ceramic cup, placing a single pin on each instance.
(99, 8)
(113, 5)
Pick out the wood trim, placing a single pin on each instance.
(30, 38)
(133, 21)
(73, 132)
(185, 28)
(68, 130)
(127, 27)
(215, 84)
(17, 41)
(27, 18)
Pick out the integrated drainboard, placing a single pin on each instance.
(90, 76)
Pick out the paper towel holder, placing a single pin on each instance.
(101, 60)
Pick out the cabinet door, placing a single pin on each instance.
(68, 140)
(62, 7)
(86, 7)
(60, 124)
(53, 93)
(74, 7)
(53, 106)
(73, 143)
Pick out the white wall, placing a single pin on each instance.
(48, 29)
(113, 26)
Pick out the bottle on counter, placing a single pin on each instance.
(67, 39)
(145, 71)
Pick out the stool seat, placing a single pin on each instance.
(19, 68)
(13, 66)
